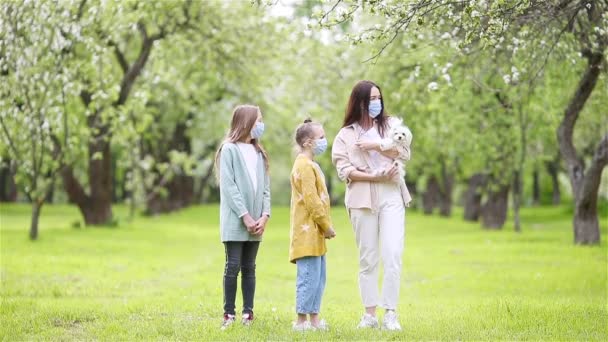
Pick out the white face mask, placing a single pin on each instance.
(257, 130)
(375, 108)
(320, 146)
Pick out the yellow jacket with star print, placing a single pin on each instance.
(309, 210)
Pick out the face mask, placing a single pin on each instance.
(375, 107)
(257, 130)
(320, 146)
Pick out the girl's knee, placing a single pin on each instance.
(231, 269)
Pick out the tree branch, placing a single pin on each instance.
(122, 60)
(135, 69)
(576, 104)
(8, 137)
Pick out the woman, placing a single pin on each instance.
(375, 199)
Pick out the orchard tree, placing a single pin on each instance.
(119, 40)
(35, 85)
(534, 30)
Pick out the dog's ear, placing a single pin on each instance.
(398, 121)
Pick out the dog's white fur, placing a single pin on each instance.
(399, 137)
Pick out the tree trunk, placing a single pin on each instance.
(585, 184)
(431, 196)
(445, 193)
(36, 209)
(180, 194)
(411, 187)
(96, 208)
(535, 187)
(472, 197)
(517, 195)
(553, 170)
(115, 185)
(199, 195)
(586, 225)
(8, 188)
(494, 211)
(180, 189)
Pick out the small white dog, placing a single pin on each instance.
(399, 137)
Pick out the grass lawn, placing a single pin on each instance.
(160, 279)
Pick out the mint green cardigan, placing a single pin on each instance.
(237, 196)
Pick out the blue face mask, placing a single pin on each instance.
(257, 130)
(375, 107)
(320, 146)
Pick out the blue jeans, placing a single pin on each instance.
(310, 284)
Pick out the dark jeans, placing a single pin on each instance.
(240, 255)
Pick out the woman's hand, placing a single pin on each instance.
(260, 225)
(366, 145)
(249, 222)
(390, 174)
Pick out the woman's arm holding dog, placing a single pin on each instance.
(390, 152)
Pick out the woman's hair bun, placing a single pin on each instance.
(307, 120)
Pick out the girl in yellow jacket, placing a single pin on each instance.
(310, 225)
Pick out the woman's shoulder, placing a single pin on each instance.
(344, 131)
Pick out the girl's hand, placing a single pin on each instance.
(249, 222)
(366, 145)
(260, 225)
(330, 233)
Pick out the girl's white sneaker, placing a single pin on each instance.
(391, 322)
(368, 321)
(228, 320)
(304, 326)
(322, 326)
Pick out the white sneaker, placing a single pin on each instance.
(304, 326)
(228, 320)
(322, 326)
(368, 321)
(391, 321)
(247, 319)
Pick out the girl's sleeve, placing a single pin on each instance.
(230, 192)
(266, 203)
(339, 157)
(312, 202)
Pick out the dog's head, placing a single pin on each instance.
(400, 135)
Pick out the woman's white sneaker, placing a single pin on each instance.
(391, 322)
(368, 321)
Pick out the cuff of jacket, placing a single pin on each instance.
(345, 173)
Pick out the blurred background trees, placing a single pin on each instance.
(111, 102)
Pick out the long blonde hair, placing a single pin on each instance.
(243, 119)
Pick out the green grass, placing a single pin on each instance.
(160, 279)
